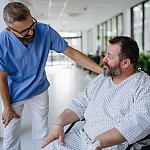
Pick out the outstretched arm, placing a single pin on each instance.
(82, 59)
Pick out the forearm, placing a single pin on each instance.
(110, 138)
(4, 91)
(66, 117)
(89, 64)
(82, 60)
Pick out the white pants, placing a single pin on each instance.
(39, 108)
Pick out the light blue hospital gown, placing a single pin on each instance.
(105, 105)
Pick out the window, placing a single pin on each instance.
(147, 26)
(100, 39)
(137, 25)
(104, 36)
(114, 27)
(140, 25)
(119, 25)
(109, 29)
(90, 41)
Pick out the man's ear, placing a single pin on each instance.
(126, 63)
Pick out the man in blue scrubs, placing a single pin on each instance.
(24, 48)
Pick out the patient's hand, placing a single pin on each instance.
(56, 132)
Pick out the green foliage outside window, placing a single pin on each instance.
(90, 55)
(144, 62)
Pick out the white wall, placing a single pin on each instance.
(94, 41)
(84, 42)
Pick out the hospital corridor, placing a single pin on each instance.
(67, 43)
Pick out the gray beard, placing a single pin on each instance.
(108, 71)
(27, 39)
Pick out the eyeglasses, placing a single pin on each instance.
(26, 31)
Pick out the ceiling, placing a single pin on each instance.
(70, 15)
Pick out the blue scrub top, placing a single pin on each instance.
(26, 65)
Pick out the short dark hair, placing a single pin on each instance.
(15, 11)
(129, 48)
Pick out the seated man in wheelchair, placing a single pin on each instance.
(115, 105)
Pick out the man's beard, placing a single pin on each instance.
(111, 71)
(28, 39)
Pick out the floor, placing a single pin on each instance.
(66, 82)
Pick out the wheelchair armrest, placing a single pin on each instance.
(70, 127)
